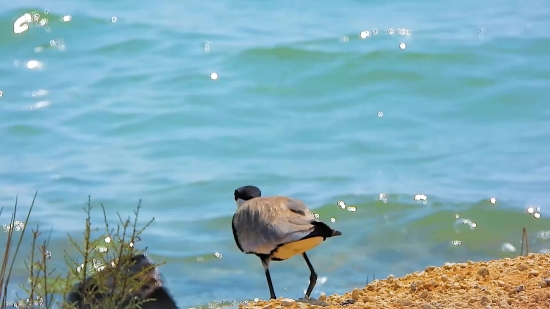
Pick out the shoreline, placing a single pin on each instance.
(518, 283)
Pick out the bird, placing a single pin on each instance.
(276, 228)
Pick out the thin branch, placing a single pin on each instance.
(524, 241)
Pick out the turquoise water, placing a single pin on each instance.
(124, 109)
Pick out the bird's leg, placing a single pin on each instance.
(265, 263)
(312, 276)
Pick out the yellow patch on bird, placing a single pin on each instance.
(291, 249)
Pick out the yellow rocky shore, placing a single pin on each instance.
(518, 283)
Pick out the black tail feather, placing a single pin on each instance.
(323, 230)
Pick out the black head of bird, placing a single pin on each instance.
(246, 193)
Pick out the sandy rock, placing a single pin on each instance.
(355, 294)
(287, 302)
(423, 295)
(483, 272)
(518, 283)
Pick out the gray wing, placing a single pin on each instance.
(264, 224)
(300, 214)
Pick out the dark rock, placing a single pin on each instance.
(152, 289)
(347, 302)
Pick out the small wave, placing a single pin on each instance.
(290, 53)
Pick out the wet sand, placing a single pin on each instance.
(518, 283)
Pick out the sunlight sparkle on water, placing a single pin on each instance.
(33, 64)
(459, 225)
(535, 211)
(16, 226)
(20, 26)
(544, 234)
(508, 247)
(39, 93)
(469, 222)
(39, 104)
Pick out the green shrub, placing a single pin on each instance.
(108, 272)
